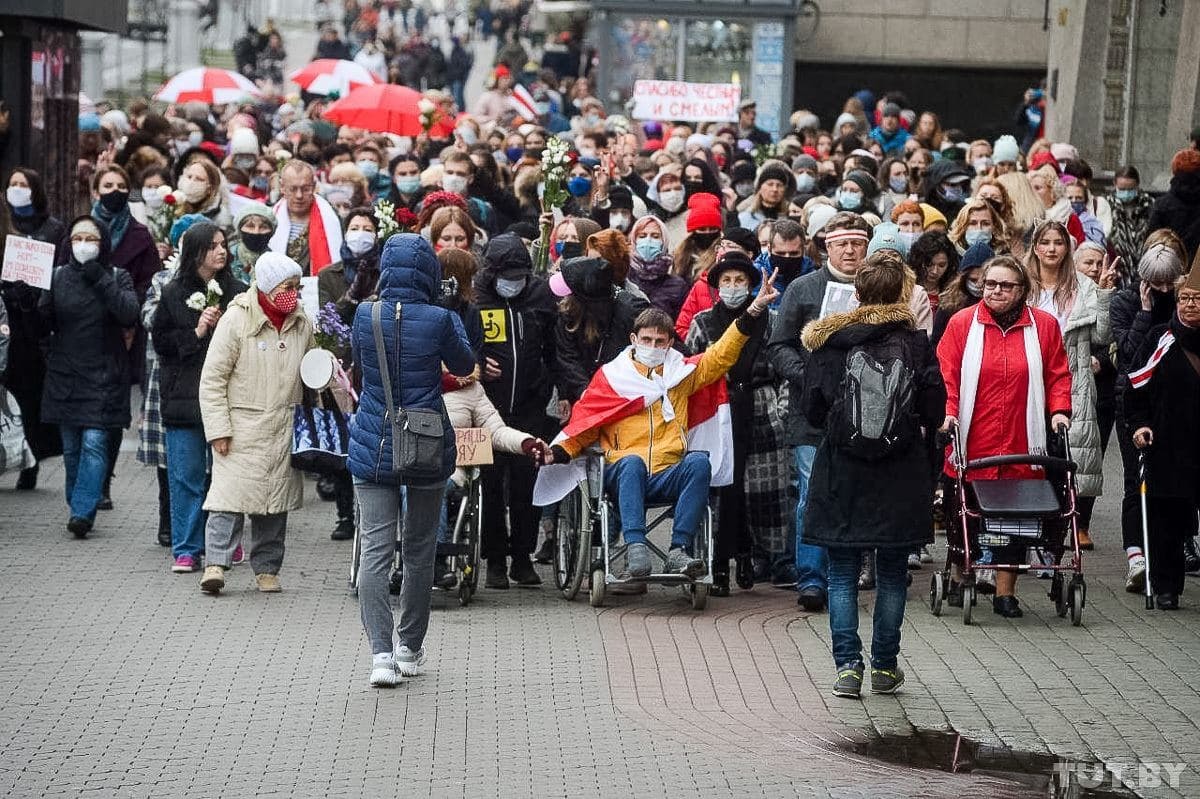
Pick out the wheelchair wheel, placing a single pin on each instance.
(596, 594)
(699, 596)
(574, 542)
(937, 593)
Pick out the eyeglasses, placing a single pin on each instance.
(301, 190)
(1000, 285)
(1189, 299)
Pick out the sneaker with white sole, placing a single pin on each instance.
(408, 662)
(383, 671)
(680, 562)
(1135, 578)
(886, 681)
(914, 561)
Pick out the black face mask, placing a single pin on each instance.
(114, 201)
(256, 242)
(705, 240)
(693, 186)
(571, 249)
(826, 183)
(789, 266)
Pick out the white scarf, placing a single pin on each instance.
(1035, 396)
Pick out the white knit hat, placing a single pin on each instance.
(818, 217)
(1005, 150)
(273, 268)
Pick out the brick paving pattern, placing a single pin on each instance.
(121, 680)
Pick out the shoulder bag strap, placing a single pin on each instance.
(381, 356)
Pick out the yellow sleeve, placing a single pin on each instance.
(579, 443)
(718, 359)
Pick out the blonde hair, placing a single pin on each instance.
(1027, 209)
(349, 173)
(1000, 232)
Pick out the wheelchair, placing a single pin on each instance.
(588, 545)
(464, 512)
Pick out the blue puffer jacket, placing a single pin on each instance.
(430, 336)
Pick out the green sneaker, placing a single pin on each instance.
(886, 681)
(849, 682)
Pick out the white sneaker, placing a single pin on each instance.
(926, 555)
(383, 671)
(914, 561)
(1135, 578)
(410, 663)
(986, 577)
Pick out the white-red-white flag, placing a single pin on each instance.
(522, 101)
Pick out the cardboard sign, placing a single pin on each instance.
(691, 102)
(28, 260)
(474, 446)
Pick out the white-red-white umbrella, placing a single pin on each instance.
(328, 75)
(207, 85)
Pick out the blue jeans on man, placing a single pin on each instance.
(685, 484)
(85, 460)
(891, 590)
(187, 467)
(812, 562)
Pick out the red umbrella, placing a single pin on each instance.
(382, 108)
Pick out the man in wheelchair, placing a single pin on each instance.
(657, 438)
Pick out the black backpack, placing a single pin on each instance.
(874, 414)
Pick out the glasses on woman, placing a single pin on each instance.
(1005, 286)
(1188, 299)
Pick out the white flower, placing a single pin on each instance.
(426, 106)
(214, 288)
(197, 301)
(164, 190)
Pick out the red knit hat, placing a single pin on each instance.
(1042, 159)
(1185, 161)
(704, 210)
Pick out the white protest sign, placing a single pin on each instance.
(839, 298)
(28, 260)
(692, 102)
(309, 298)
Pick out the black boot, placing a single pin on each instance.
(522, 572)
(164, 508)
(720, 583)
(1191, 556)
(497, 576)
(343, 531)
(28, 479)
(745, 572)
(396, 582)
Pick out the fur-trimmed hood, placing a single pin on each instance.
(818, 332)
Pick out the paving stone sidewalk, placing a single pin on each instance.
(121, 680)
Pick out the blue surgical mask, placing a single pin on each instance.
(513, 154)
(409, 184)
(509, 287)
(908, 238)
(849, 200)
(1079, 206)
(260, 183)
(805, 182)
(898, 184)
(1125, 195)
(579, 186)
(648, 248)
(369, 169)
(977, 236)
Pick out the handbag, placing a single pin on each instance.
(417, 433)
(15, 453)
(320, 435)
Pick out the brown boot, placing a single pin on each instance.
(1085, 540)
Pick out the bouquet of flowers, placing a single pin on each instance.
(765, 152)
(555, 164)
(428, 111)
(209, 298)
(385, 219)
(330, 332)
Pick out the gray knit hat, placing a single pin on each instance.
(1159, 264)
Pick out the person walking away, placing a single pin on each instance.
(86, 313)
(249, 386)
(518, 314)
(1003, 361)
(405, 372)
(845, 390)
(1163, 407)
(192, 303)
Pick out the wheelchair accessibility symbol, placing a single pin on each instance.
(494, 325)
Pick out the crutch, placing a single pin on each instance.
(1145, 526)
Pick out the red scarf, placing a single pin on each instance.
(274, 315)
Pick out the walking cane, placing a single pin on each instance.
(1145, 526)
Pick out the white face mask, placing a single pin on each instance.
(19, 196)
(152, 199)
(648, 355)
(195, 137)
(192, 189)
(85, 251)
(671, 201)
(457, 184)
(619, 221)
(734, 296)
(360, 241)
(509, 287)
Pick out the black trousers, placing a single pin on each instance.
(343, 495)
(732, 538)
(507, 487)
(1171, 521)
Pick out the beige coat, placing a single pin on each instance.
(250, 383)
(470, 407)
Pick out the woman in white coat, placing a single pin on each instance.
(1081, 307)
(249, 385)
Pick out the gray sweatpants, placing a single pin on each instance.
(378, 517)
(223, 533)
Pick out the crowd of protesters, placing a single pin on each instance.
(196, 226)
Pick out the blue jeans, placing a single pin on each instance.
(812, 562)
(187, 464)
(85, 458)
(891, 589)
(686, 484)
(444, 531)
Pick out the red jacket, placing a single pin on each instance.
(998, 421)
(700, 298)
